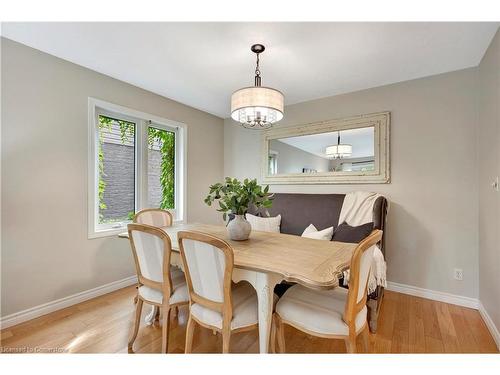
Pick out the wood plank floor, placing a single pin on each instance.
(407, 325)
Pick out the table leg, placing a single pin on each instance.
(263, 284)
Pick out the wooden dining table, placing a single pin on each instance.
(266, 259)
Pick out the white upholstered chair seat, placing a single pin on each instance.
(179, 286)
(245, 312)
(318, 311)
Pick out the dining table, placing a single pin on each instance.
(266, 259)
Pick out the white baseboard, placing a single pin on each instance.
(434, 295)
(35, 312)
(489, 323)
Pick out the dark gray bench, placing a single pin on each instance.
(323, 210)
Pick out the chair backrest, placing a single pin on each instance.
(151, 248)
(208, 265)
(360, 268)
(155, 217)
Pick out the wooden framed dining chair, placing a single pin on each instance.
(335, 313)
(159, 284)
(214, 302)
(155, 217)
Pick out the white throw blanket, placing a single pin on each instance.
(357, 209)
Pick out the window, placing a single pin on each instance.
(359, 166)
(116, 174)
(136, 160)
(272, 162)
(161, 168)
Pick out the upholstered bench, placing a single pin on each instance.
(323, 210)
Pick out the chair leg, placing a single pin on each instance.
(133, 336)
(175, 312)
(136, 297)
(157, 315)
(350, 344)
(165, 329)
(272, 346)
(365, 338)
(189, 334)
(226, 340)
(280, 333)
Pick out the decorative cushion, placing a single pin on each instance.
(346, 233)
(312, 232)
(319, 311)
(264, 224)
(245, 309)
(179, 294)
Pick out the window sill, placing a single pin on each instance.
(111, 232)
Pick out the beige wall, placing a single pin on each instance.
(432, 223)
(292, 159)
(489, 168)
(45, 251)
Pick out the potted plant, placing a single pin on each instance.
(235, 197)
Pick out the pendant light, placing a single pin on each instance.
(257, 107)
(340, 150)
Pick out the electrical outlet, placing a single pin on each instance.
(458, 274)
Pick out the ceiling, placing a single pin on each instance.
(201, 64)
(361, 140)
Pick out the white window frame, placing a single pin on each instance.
(142, 120)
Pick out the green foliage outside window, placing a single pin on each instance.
(127, 131)
(166, 142)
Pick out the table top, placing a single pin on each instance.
(314, 263)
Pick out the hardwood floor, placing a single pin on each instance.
(407, 325)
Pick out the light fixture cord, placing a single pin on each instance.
(257, 73)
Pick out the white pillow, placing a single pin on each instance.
(264, 224)
(312, 232)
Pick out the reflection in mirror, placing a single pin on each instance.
(350, 150)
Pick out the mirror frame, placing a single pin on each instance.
(381, 175)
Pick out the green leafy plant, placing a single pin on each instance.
(166, 140)
(236, 197)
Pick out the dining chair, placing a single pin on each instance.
(334, 313)
(154, 216)
(214, 302)
(159, 284)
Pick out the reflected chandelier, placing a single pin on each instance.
(340, 150)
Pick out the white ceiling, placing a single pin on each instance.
(201, 64)
(361, 140)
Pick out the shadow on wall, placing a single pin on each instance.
(408, 242)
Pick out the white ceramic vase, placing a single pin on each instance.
(239, 228)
